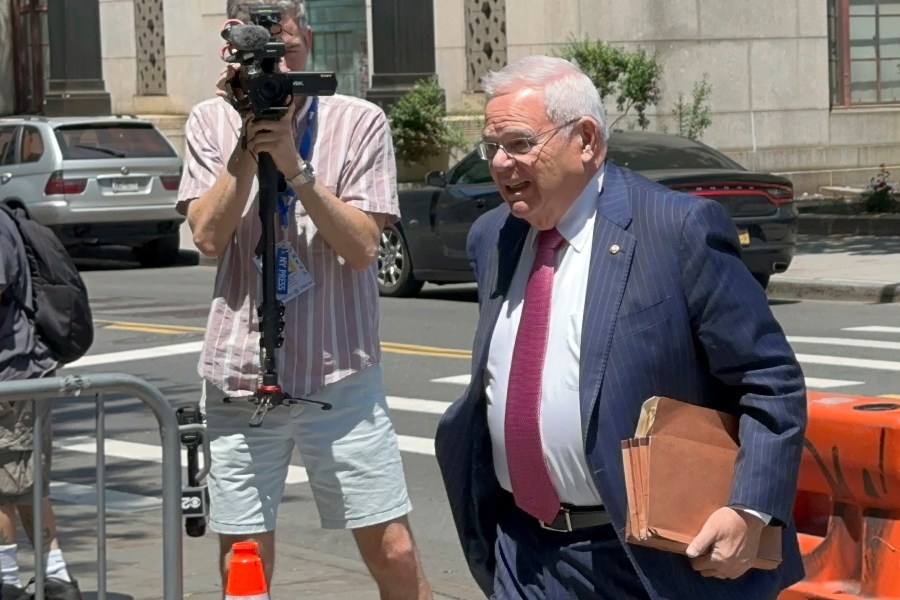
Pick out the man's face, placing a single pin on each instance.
(297, 44)
(541, 184)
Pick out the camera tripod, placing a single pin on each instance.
(271, 312)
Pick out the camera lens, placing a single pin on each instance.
(269, 91)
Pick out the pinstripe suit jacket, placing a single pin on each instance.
(673, 313)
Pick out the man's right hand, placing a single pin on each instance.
(222, 89)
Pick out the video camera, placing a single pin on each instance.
(267, 91)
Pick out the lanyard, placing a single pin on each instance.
(286, 199)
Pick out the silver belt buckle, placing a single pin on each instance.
(568, 519)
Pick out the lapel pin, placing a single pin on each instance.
(614, 249)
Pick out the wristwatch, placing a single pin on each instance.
(306, 175)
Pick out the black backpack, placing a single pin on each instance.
(61, 314)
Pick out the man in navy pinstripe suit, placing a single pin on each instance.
(598, 289)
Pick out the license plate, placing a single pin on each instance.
(124, 185)
(744, 237)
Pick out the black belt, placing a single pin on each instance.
(575, 518)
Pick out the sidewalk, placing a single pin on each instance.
(134, 563)
(835, 267)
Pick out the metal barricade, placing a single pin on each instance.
(73, 388)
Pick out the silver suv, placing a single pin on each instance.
(95, 180)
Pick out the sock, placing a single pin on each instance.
(9, 565)
(56, 566)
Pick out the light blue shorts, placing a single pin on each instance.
(350, 453)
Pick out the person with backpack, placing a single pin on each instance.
(24, 355)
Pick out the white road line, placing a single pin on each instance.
(416, 445)
(76, 493)
(811, 382)
(142, 354)
(432, 407)
(843, 361)
(144, 452)
(824, 384)
(874, 329)
(830, 341)
(456, 379)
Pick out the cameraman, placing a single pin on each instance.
(331, 350)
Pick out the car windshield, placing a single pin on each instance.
(115, 140)
(665, 154)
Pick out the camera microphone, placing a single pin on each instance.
(246, 38)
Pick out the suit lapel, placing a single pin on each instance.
(611, 255)
(501, 263)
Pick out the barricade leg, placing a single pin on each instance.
(72, 388)
(848, 507)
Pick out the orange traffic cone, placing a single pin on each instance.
(246, 579)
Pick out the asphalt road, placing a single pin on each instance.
(844, 347)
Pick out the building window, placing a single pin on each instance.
(864, 38)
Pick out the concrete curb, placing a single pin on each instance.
(793, 288)
(867, 225)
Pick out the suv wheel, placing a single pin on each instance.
(160, 252)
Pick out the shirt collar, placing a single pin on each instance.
(574, 224)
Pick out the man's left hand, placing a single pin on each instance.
(727, 545)
(276, 138)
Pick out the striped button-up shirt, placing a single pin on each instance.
(331, 331)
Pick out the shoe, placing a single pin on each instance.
(12, 592)
(57, 589)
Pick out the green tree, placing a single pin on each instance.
(692, 118)
(419, 128)
(630, 78)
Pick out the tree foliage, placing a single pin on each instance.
(630, 78)
(419, 128)
(692, 118)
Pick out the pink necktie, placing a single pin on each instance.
(532, 487)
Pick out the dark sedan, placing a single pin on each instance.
(429, 242)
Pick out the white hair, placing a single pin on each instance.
(568, 92)
(240, 9)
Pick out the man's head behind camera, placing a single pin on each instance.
(277, 31)
(294, 9)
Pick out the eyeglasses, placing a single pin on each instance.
(517, 146)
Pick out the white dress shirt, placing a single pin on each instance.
(560, 405)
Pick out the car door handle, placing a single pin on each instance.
(5, 177)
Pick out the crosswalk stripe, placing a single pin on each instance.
(830, 341)
(456, 379)
(116, 501)
(432, 407)
(824, 384)
(144, 452)
(874, 329)
(143, 353)
(811, 382)
(416, 445)
(153, 453)
(844, 361)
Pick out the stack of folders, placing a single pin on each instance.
(678, 471)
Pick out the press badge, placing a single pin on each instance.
(291, 277)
